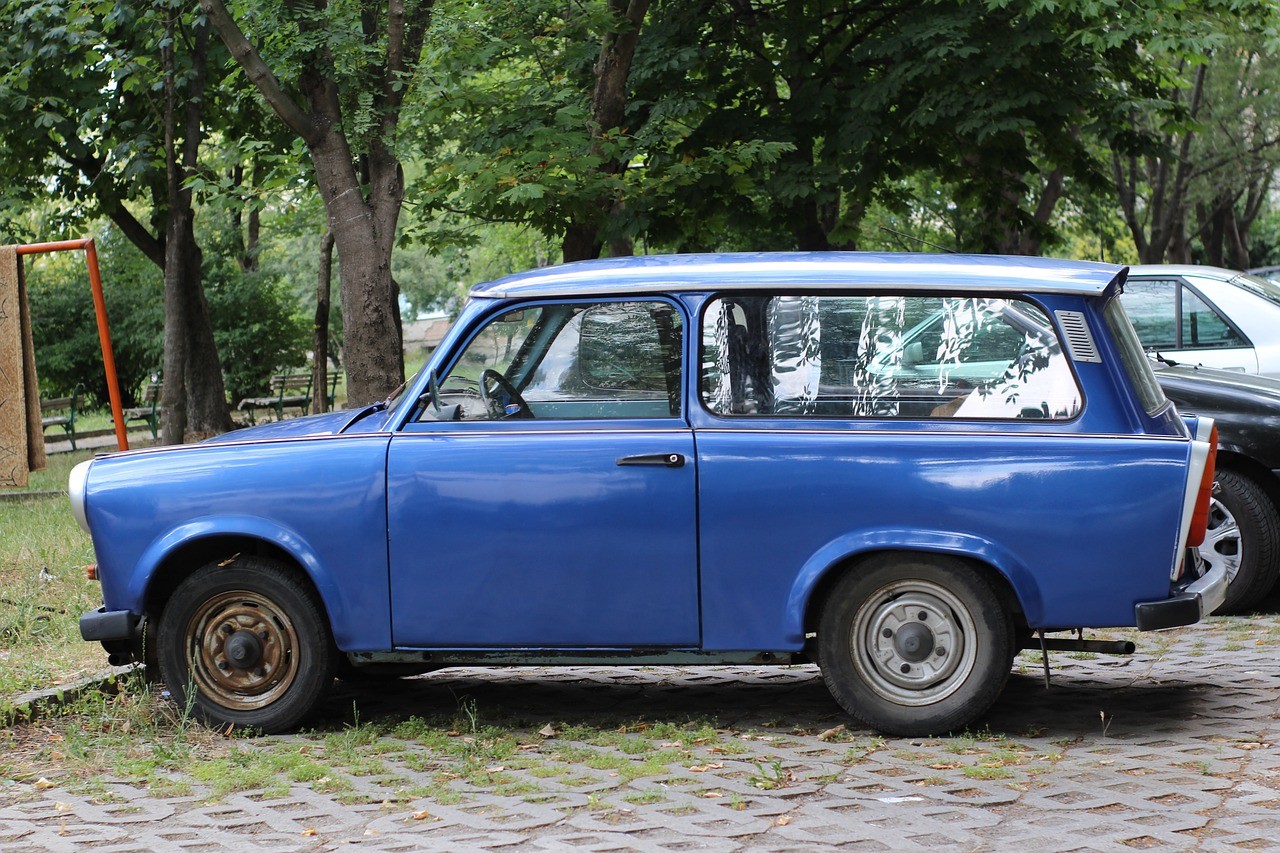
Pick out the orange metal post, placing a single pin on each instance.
(100, 310)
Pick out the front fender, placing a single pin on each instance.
(242, 527)
(860, 542)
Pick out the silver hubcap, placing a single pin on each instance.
(913, 642)
(1222, 545)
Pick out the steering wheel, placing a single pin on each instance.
(502, 399)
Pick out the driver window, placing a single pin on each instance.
(567, 361)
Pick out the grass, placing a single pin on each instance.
(43, 587)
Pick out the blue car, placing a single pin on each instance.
(904, 468)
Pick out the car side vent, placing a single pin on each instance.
(1079, 338)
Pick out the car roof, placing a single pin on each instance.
(807, 271)
(1148, 270)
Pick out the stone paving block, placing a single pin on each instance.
(1175, 751)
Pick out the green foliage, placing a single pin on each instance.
(65, 329)
(257, 327)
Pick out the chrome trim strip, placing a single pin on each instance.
(960, 432)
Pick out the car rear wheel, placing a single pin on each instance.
(1244, 536)
(246, 644)
(915, 644)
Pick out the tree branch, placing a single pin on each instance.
(256, 69)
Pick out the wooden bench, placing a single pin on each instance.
(150, 410)
(71, 405)
(288, 391)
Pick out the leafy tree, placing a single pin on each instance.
(65, 329)
(337, 75)
(1210, 153)
(106, 104)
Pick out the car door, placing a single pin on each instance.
(1173, 319)
(545, 496)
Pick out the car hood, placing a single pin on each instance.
(329, 423)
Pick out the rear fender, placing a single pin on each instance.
(862, 542)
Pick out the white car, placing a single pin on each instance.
(1207, 316)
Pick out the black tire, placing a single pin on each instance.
(247, 644)
(946, 656)
(1244, 532)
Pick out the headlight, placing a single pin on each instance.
(75, 489)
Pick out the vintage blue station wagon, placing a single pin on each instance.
(903, 468)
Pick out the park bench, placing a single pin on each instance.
(288, 391)
(149, 411)
(71, 405)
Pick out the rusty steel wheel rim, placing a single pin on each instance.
(243, 650)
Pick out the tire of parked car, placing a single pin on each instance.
(1243, 532)
(246, 644)
(915, 644)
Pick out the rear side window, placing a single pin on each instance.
(1134, 359)
(884, 357)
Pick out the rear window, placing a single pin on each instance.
(1134, 358)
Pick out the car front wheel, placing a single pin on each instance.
(1244, 536)
(246, 644)
(915, 644)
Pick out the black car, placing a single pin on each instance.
(1244, 521)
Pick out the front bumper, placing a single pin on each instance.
(119, 631)
(1187, 607)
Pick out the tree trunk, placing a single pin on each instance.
(195, 399)
(320, 335)
(362, 213)
(584, 237)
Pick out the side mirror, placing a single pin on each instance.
(912, 354)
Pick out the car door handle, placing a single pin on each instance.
(666, 460)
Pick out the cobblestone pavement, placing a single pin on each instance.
(1173, 748)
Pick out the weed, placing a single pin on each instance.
(771, 777)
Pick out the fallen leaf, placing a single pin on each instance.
(783, 820)
(717, 750)
(832, 733)
(43, 784)
(497, 768)
(422, 815)
(703, 768)
(547, 731)
(61, 807)
(669, 745)
(524, 746)
(372, 832)
(712, 795)
(310, 831)
(468, 740)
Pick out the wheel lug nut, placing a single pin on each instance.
(940, 651)
(222, 665)
(262, 635)
(923, 616)
(259, 671)
(887, 633)
(906, 668)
